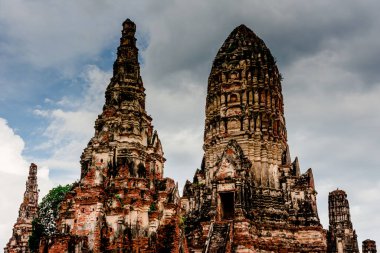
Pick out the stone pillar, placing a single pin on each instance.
(213, 197)
(264, 168)
(257, 158)
(213, 201)
(238, 209)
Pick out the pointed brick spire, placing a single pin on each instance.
(124, 125)
(122, 194)
(126, 68)
(27, 212)
(126, 83)
(296, 167)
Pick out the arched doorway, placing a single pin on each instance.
(227, 205)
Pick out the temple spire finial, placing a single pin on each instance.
(126, 68)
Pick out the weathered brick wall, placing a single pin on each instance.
(122, 199)
(247, 178)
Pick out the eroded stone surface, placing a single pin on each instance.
(122, 201)
(247, 180)
(27, 212)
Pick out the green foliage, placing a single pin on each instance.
(55, 197)
(118, 197)
(182, 221)
(48, 210)
(153, 207)
(197, 184)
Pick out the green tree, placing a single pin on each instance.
(48, 211)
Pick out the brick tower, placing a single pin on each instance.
(369, 246)
(341, 235)
(248, 196)
(27, 212)
(122, 201)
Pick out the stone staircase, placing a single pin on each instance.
(218, 237)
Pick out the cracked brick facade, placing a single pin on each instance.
(248, 195)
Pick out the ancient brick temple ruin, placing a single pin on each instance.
(122, 202)
(247, 196)
(369, 246)
(341, 235)
(27, 212)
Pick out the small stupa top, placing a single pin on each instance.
(243, 43)
(338, 192)
(244, 91)
(244, 47)
(129, 25)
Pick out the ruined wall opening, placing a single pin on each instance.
(227, 205)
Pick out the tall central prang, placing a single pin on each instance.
(248, 196)
(245, 106)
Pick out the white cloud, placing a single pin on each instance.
(332, 122)
(70, 126)
(13, 175)
(10, 151)
(60, 34)
(178, 117)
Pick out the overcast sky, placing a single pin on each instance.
(56, 60)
